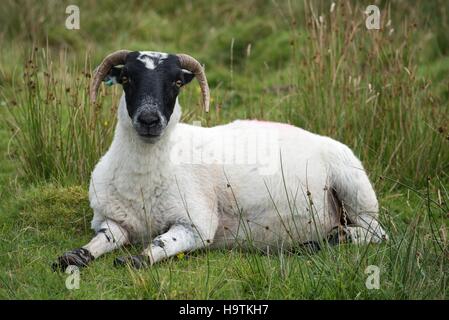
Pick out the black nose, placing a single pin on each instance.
(149, 119)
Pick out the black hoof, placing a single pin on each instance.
(78, 257)
(338, 236)
(310, 247)
(137, 262)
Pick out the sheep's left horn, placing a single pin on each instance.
(111, 60)
(191, 64)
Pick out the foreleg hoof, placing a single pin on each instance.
(137, 262)
(78, 257)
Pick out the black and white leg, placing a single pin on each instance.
(179, 238)
(365, 230)
(110, 236)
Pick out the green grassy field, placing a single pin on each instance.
(385, 93)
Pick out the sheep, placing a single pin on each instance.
(148, 188)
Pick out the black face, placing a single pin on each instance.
(151, 81)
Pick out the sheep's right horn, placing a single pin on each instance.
(111, 60)
(189, 63)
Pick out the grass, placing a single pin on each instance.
(384, 93)
(413, 266)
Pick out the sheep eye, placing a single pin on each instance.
(178, 83)
(125, 79)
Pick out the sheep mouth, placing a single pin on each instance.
(149, 137)
(149, 132)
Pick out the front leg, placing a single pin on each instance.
(179, 238)
(109, 236)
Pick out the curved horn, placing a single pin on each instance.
(191, 64)
(111, 60)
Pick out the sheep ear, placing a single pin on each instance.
(188, 76)
(113, 77)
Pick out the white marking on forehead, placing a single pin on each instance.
(151, 59)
